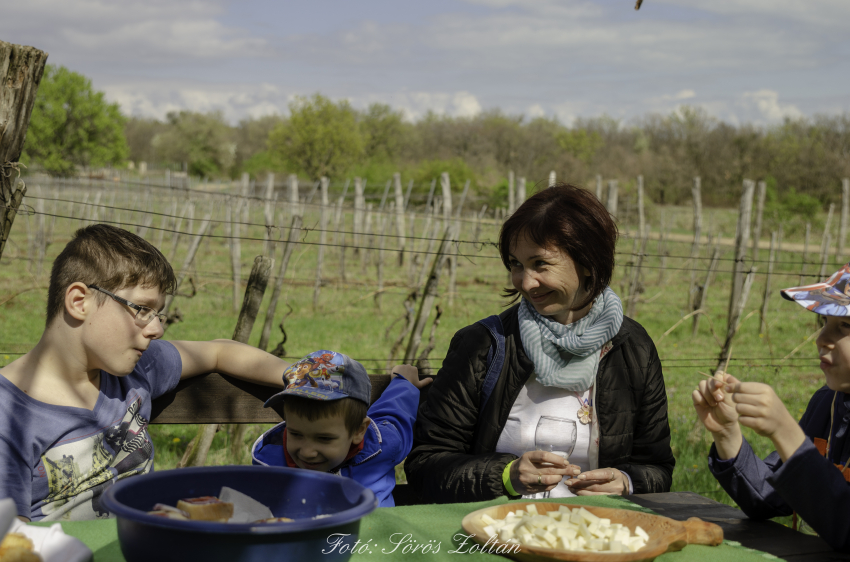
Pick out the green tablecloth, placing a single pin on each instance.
(391, 529)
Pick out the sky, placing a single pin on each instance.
(743, 61)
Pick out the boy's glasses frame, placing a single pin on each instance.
(144, 315)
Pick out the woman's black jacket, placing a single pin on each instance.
(453, 457)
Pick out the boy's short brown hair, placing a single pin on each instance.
(111, 258)
(353, 411)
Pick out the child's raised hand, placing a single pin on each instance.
(715, 407)
(759, 408)
(411, 373)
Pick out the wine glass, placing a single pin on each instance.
(555, 435)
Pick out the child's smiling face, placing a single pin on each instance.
(834, 349)
(320, 444)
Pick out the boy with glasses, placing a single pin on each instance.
(76, 407)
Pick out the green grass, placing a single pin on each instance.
(348, 319)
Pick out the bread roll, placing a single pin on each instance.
(206, 508)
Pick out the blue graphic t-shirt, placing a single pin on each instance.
(56, 461)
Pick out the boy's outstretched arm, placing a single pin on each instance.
(230, 358)
(760, 409)
(716, 411)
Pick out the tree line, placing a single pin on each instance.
(802, 160)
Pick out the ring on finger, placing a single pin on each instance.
(539, 479)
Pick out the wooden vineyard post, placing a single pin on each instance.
(552, 178)
(735, 315)
(842, 228)
(662, 248)
(21, 69)
(407, 195)
(511, 198)
(824, 259)
(696, 191)
(323, 240)
(741, 238)
(385, 219)
(611, 204)
(268, 215)
(187, 263)
(826, 239)
(634, 286)
(702, 293)
(399, 217)
(762, 191)
(641, 216)
(805, 253)
(292, 195)
(599, 187)
(292, 241)
(359, 208)
(445, 184)
(235, 251)
(196, 455)
(368, 239)
(430, 239)
(429, 295)
(520, 193)
(456, 244)
(766, 296)
(188, 208)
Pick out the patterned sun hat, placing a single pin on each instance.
(828, 298)
(325, 375)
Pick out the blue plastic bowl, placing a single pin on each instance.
(289, 492)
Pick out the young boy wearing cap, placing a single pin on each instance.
(331, 427)
(808, 473)
(76, 407)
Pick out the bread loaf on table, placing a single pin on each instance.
(206, 508)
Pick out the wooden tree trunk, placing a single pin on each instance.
(294, 231)
(845, 209)
(21, 69)
(741, 237)
(197, 454)
(766, 296)
(511, 194)
(323, 240)
(429, 295)
(399, 217)
(697, 198)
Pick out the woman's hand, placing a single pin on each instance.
(539, 471)
(602, 481)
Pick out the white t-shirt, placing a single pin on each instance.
(534, 401)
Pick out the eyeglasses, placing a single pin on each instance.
(144, 315)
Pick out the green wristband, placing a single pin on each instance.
(506, 479)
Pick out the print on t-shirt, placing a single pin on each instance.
(79, 472)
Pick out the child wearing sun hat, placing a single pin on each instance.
(808, 472)
(331, 427)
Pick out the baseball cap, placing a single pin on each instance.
(325, 375)
(827, 298)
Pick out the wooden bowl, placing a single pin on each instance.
(665, 534)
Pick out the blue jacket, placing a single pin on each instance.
(388, 441)
(807, 483)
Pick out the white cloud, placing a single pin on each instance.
(766, 107)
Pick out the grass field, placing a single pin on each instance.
(348, 319)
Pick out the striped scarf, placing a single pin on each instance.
(567, 355)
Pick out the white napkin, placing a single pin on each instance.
(8, 513)
(245, 508)
(52, 543)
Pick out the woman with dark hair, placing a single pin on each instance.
(567, 352)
